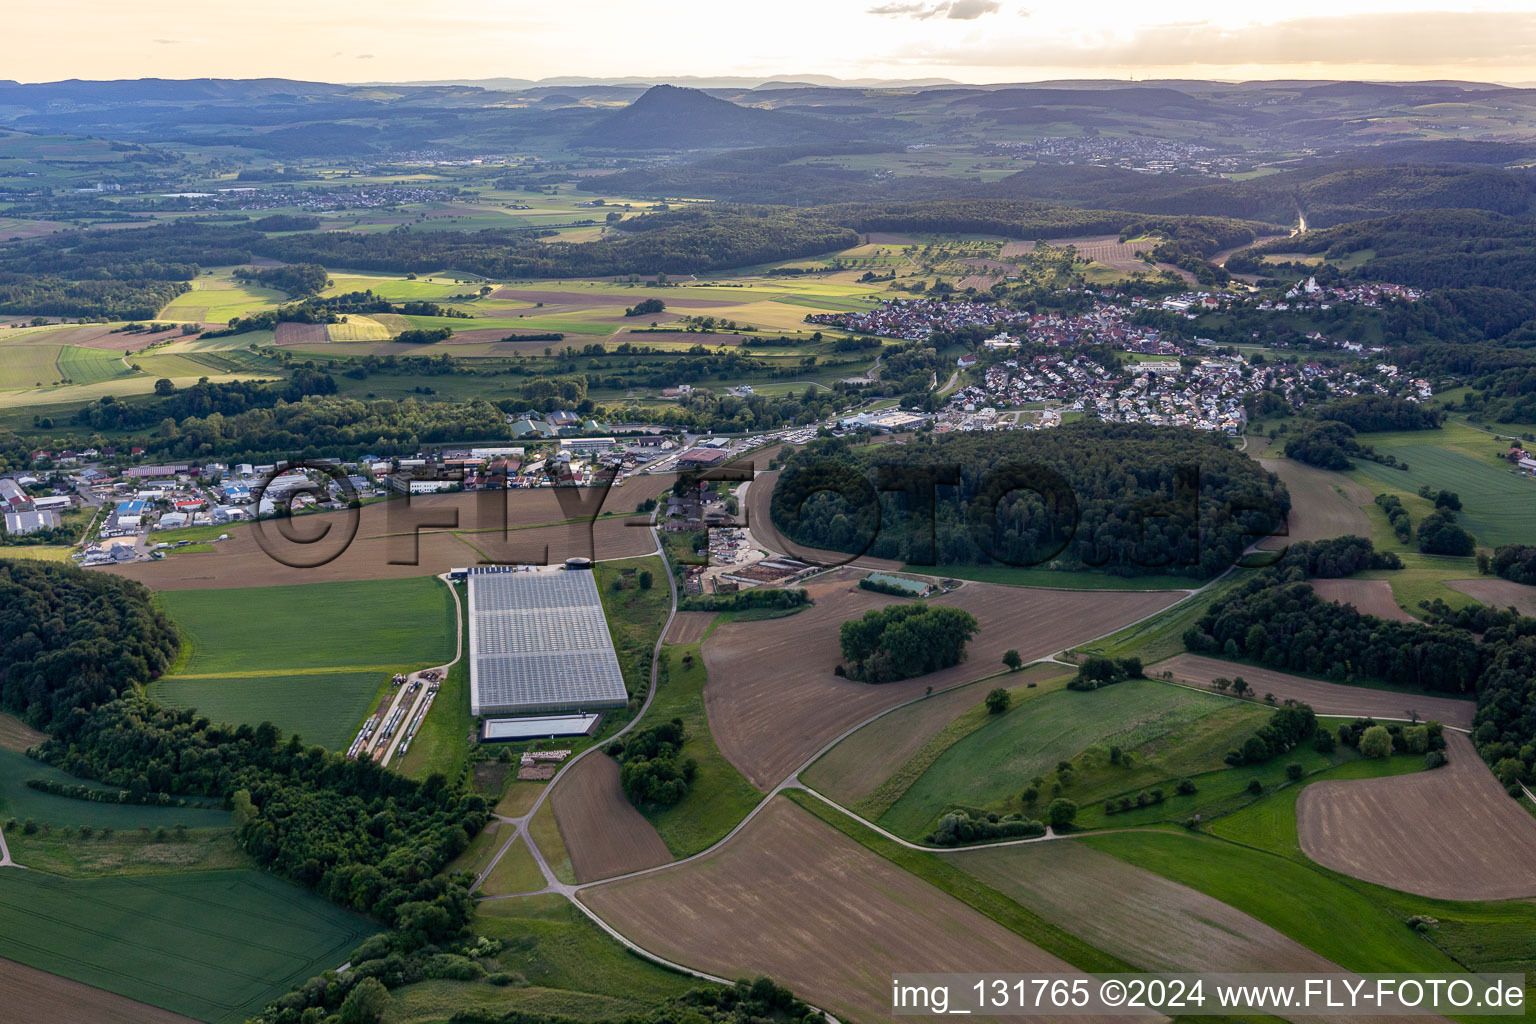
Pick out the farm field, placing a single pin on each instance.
(689, 627)
(454, 530)
(1324, 697)
(1151, 922)
(1499, 593)
(1482, 845)
(1369, 597)
(216, 298)
(604, 833)
(291, 654)
(864, 761)
(17, 735)
(987, 767)
(720, 797)
(794, 898)
(211, 945)
(35, 995)
(773, 701)
(1498, 505)
(1323, 504)
(22, 802)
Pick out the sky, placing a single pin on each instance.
(965, 40)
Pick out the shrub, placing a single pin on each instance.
(1255, 787)
(1061, 813)
(998, 701)
(1434, 759)
(1376, 742)
(1186, 787)
(1294, 771)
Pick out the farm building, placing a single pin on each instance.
(22, 523)
(538, 643)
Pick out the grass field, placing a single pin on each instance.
(17, 735)
(1498, 505)
(516, 872)
(989, 766)
(22, 802)
(89, 365)
(721, 796)
(545, 833)
(217, 298)
(212, 945)
(1017, 577)
(123, 853)
(309, 658)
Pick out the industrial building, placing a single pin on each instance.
(539, 644)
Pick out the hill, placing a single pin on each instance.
(666, 117)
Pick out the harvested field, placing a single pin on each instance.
(1153, 923)
(773, 701)
(300, 334)
(33, 995)
(1451, 834)
(17, 735)
(689, 627)
(604, 833)
(385, 546)
(1370, 597)
(589, 297)
(854, 768)
(886, 238)
(1323, 504)
(793, 898)
(1498, 593)
(1324, 697)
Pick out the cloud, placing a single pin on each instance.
(955, 10)
(365, 56)
(166, 42)
(970, 10)
(1424, 38)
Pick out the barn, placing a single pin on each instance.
(539, 644)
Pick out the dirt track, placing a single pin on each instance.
(1452, 833)
(793, 898)
(772, 698)
(1370, 597)
(604, 833)
(1325, 698)
(32, 995)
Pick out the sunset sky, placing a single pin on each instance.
(965, 40)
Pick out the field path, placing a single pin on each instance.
(5, 854)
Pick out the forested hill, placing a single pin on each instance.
(1431, 249)
(1127, 498)
(670, 119)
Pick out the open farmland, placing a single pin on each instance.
(1323, 504)
(859, 764)
(1151, 922)
(1324, 697)
(1370, 597)
(212, 945)
(17, 735)
(1452, 833)
(465, 530)
(20, 801)
(991, 764)
(1498, 593)
(34, 995)
(773, 701)
(309, 658)
(219, 298)
(1499, 506)
(689, 627)
(604, 833)
(793, 898)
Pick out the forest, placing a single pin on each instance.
(1126, 498)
